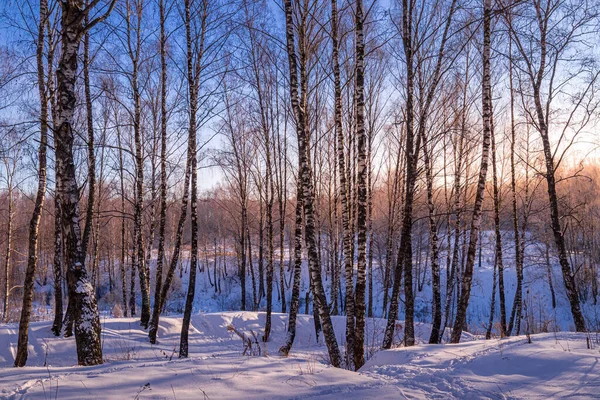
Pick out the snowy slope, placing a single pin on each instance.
(552, 366)
(216, 369)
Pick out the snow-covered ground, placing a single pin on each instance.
(552, 366)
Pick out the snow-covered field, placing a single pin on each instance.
(552, 366)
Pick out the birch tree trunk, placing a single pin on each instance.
(269, 195)
(134, 50)
(58, 269)
(488, 332)
(305, 175)
(568, 277)
(436, 322)
(452, 260)
(22, 341)
(10, 175)
(81, 293)
(461, 314)
(404, 260)
(361, 217)
(347, 251)
(158, 307)
(413, 147)
(89, 214)
(391, 231)
(123, 223)
(552, 40)
(517, 302)
(153, 328)
(282, 200)
(370, 222)
(295, 300)
(193, 76)
(498, 264)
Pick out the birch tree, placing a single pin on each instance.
(486, 95)
(361, 222)
(22, 343)
(298, 96)
(348, 256)
(153, 327)
(411, 44)
(545, 34)
(85, 308)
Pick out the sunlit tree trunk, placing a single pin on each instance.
(295, 300)
(436, 322)
(58, 269)
(461, 313)
(348, 259)
(21, 355)
(134, 50)
(498, 264)
(153, 328)
(305, 173)
(361, 220)
(193, 75)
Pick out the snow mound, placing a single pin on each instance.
(216, 368)
(551, 366)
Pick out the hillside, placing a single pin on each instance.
(553, 365)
